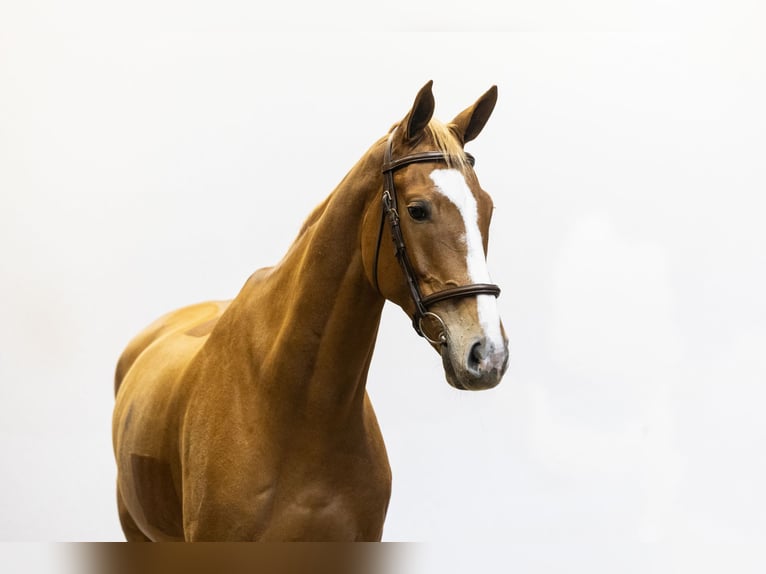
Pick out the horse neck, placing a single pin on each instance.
(309, 324)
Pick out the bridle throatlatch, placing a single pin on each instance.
(391, 213)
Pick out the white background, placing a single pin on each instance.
(153, 154)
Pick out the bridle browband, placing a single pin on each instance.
(391, 213)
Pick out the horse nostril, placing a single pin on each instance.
(476, 357)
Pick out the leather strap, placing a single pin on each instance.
(462, 291)
(423, 157)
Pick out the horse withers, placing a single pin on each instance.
(248, 419)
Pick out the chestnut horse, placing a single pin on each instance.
(248, 419)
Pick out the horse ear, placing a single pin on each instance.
(422, 110)
(469, 123)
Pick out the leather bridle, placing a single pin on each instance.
(391, 213)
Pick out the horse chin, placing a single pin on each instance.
(459, 378)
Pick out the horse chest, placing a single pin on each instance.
(294, 506)
(340, 501)
(319, 513)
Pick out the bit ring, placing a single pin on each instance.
(442, 336)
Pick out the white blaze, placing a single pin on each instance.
(451, 183)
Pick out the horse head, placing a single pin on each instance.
(439, 218)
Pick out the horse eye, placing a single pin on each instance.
(418, 212)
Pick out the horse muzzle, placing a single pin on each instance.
(474, 364)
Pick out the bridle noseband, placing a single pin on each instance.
(391, 213)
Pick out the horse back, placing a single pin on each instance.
(194, 320)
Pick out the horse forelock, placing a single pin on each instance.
(447, 143)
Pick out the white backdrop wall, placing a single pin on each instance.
(143, 153)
